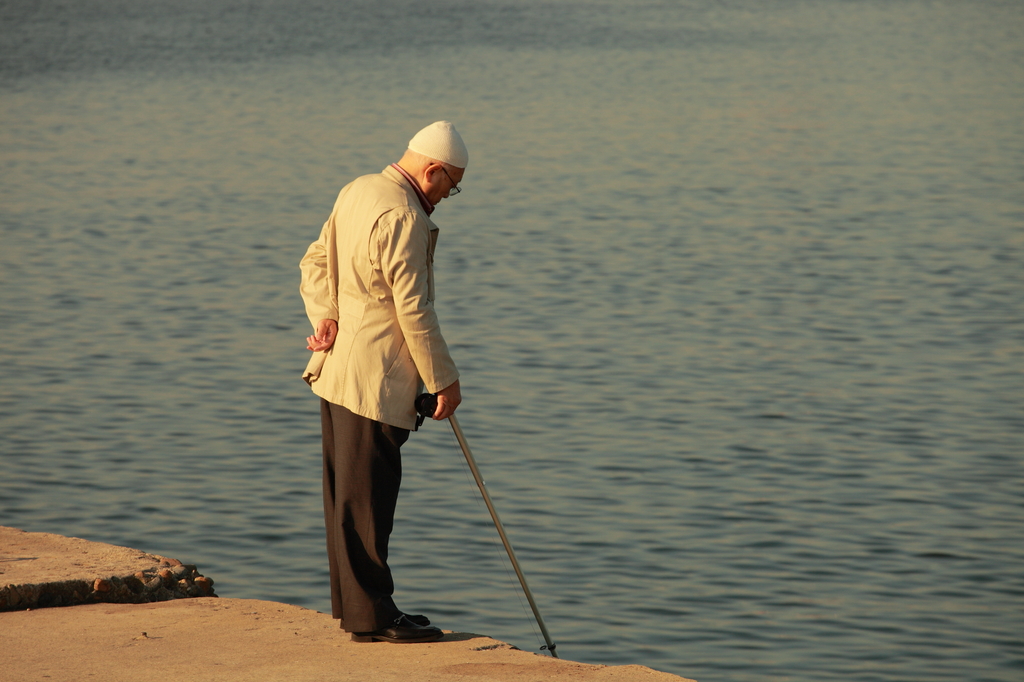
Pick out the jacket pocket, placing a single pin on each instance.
(401, 377)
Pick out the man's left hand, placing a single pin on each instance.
(326, 332)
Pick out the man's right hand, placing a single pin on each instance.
(323, 339)
(447, 400)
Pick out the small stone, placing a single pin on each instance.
(101, 585)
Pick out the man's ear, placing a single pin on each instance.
(431, 171)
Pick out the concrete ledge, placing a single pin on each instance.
(218, 640)
(241, 640)
(39, 570)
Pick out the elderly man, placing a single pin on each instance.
(368, 288)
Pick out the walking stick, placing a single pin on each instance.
(426, 404)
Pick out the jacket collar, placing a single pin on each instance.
(427, 206)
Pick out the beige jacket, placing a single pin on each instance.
(372, 271)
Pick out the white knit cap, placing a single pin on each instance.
(441, 141)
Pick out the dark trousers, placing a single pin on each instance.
(362, 474)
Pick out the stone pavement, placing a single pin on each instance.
(176, 634)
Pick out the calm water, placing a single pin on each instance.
(735, 287)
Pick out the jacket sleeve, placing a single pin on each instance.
(404, 244)
(319, 297)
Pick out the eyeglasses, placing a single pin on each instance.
(455, 188)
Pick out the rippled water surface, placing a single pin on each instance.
(735, 288)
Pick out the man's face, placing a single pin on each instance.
(441, 181)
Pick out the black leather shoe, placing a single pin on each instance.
(422, 621)
(402, 631)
